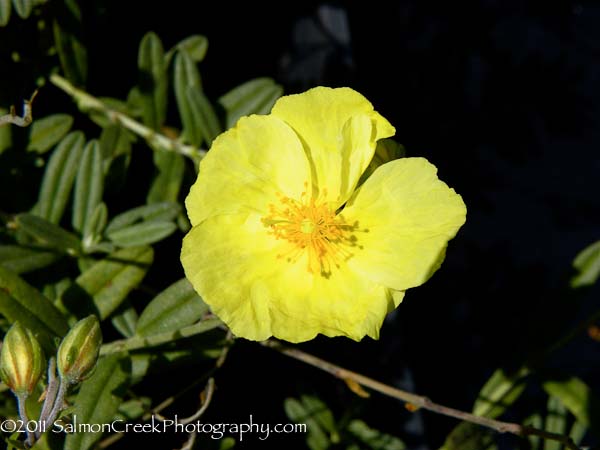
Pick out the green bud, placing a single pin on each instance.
(78, 351)
(21, 360)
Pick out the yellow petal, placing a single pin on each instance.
(340, 130)
(246, 167)
(232, 261)
(407, 216)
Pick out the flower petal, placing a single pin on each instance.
(232, 262)
(245, 168)
(407, 216)
(340, 130)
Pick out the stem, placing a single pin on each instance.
(29, 441)
(137, 342)
(50, 397)
(59, 401)
(414, 400)
(87, 102)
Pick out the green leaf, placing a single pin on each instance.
(99, 399)
(47, 131)
(59, 176)
(23, 8)
(103, 287)
(4, 12)
(500, 391)
(195, 46)
(578, 398)
(322, 414)
(252, 97)
(208, 122)
(374, 439)
(164, 212)
(316, 438)
(94, 227)
(167, 183)
(587, 263)
(20, 259)
(136, 407)
(176, 307)
(48, 234)
(141, 233)
(153, 81)
(5, 132)
(88, 186)
(125, 321)
(535, 421)
(578, 431)
(114, 141)
(22, 302)
(556, 422)
(71, 53)
(187, 76)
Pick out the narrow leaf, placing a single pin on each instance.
(578, 398)
(99, 399)
(5, 132)
(196, 46)
(205, 114)
(153, 81)
(374, 439)
(167, 183)
(20, 259)
(165, 211)
(59, 176)
(253, 97)
(176, 307)
(48, 234)
(22, 302)
(4, 12)
(72, 54)
(500, 391)
(47, 131)
(88, 186)
(187, 76)
(296, 411)
(103, 287)
(587, 263)
(142, 234)
(92, 233)
(556, 422)
(125, 320)
(23, 8)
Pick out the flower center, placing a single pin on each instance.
(312, 228)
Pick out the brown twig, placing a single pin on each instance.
(414, 401)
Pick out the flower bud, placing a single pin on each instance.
(21, 360)
(78, 351)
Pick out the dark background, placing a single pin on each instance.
(503, 97)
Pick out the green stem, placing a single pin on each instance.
(29, 441)
(138, 342)
(50, 399)
(59, 401)
(87, 102)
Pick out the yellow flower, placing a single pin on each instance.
(283, 242)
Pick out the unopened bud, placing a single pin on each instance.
(21, 360)
(78, 351)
